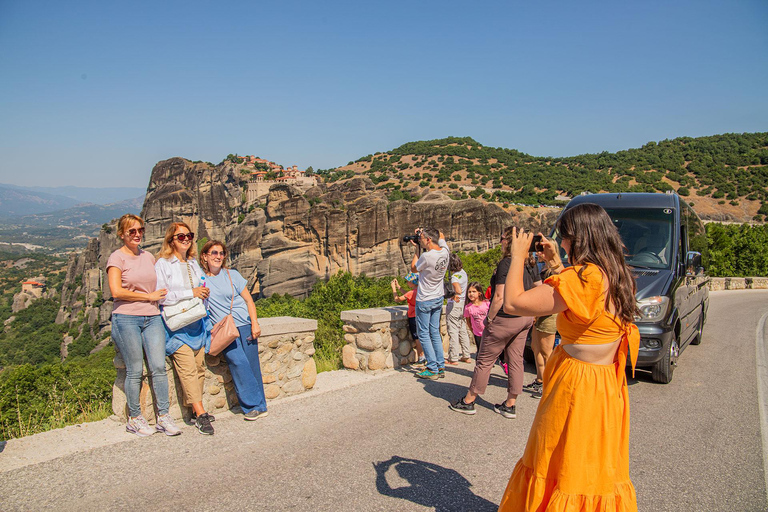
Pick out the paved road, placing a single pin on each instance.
(392, 444)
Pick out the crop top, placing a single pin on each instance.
(586, 321)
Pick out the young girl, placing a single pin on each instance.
(410, 297)
(476, 310)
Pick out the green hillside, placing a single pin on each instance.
(723, 169)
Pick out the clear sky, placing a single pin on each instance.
(94, 93)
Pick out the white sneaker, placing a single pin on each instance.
(139, 426)
(166, 424)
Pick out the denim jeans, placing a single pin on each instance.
(428, 324)
(242, 355)
(135, 336)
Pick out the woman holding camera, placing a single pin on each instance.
(577, 455)
(505, 333)
(178, 271)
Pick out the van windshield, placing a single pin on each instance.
(647, 235)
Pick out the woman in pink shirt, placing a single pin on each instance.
(137, 328)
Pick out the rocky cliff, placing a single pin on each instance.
(293, 239)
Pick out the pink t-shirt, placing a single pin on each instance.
(137, 275)
(476, 315)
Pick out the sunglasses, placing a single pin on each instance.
(135, 231)
(217, 253)
(184, 236)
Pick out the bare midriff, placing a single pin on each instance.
(604, 353)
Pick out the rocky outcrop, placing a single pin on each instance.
(287, 243)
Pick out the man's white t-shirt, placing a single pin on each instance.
(431, 267)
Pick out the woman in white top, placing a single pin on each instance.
(178, 272)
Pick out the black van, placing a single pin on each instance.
(666, 246)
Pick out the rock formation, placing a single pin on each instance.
(293, 239)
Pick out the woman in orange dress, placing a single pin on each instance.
(577, 455)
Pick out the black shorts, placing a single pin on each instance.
(412, 328)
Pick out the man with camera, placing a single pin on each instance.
(431, 266)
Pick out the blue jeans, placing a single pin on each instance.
(428, 324)
(135, 336)
(242, 355)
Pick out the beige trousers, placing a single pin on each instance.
(190, 367)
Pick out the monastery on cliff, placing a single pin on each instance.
(258, 185)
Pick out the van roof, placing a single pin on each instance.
(628, 200)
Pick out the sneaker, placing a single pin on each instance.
(427, 374)
(420, 364)
(441, 373)
(461, 406)
(203, 424)
(254, 415)
(139, 426)
(507, 412)
(532, 385)
(166, 424)
(211, 417)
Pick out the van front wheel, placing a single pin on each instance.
(662, 372)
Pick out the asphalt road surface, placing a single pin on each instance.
(393, 444)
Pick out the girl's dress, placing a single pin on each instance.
(577, 455)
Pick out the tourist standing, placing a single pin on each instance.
(178, 271)
(431, 266)
(458, 337)
(229, 294)
(577, 455)
(410, 297)
(545, 327)
(505, 333)
(137, 329)
(476, 311)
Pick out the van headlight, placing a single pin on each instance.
(652, 308)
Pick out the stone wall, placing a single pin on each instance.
(379, 339)
(738, 283)
(286, 350)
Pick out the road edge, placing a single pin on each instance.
(762, 390)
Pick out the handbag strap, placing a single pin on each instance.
(232, 302)
(189, 273)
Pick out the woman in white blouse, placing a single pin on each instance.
(178, 272)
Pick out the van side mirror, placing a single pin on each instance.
(692, 263)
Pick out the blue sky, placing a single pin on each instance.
(95, 93)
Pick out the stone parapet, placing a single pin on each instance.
(379, 339)
(738, 283)
(286, 350)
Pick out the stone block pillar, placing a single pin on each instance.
(286, 350)
(379, 339)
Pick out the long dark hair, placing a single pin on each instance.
(594, 239)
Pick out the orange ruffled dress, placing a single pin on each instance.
(577, 456)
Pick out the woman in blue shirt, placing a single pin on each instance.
(242, 355)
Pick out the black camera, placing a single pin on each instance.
(412, 238)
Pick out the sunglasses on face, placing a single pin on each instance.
(181, 237)
(135, 231)
(216, 254)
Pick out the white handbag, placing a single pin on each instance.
(184, 312)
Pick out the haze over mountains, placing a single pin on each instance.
(18, 201)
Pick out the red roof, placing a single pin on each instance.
(33, 282)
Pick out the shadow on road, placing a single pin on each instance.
(429, 485)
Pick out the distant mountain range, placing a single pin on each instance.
(18, 201)
(59, 223)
